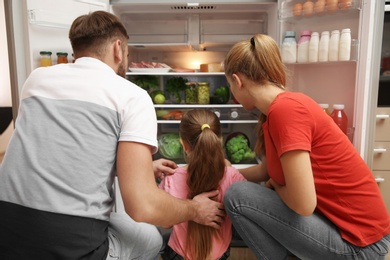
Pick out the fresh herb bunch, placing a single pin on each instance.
(147, 82)
(175, 86)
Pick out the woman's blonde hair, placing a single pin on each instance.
(200, 130)
(259, 60)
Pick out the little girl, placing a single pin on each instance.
(206, 170)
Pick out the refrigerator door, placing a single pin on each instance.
(352, 83)
(40, 25)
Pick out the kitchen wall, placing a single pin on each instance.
(5, 89)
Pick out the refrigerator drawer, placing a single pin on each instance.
(383, 180)
(381, 156)
(382, 128)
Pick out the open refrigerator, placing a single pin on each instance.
(185, 34)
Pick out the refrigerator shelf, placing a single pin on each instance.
(287, 13)
(222, 121)
(178, 73)
(198, 106)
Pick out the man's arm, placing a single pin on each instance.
(145, 202)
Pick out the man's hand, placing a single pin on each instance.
(209, 212)
(163, 167)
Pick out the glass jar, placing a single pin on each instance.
(203, 93)
(191, 93)
(46, 58)
(62, 57)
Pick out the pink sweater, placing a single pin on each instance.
(176, 185)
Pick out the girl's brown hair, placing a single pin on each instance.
(260, 61)
(206, 168)
(89, 33)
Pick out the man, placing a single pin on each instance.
(79, 125)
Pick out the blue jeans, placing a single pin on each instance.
(272, 230)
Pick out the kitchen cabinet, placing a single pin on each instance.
(233, 117)
(381, 157)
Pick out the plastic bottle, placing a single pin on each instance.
(325, 107)
(323, 49)
(334, 45)
(313, 47)
(339, 117)
(345, 45)
(45, 58)
(303, 47)
(289, 48)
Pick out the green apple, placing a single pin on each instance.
(159, 99)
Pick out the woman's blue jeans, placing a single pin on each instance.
(273, 231)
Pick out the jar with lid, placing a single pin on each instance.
(62, 57)
(203, 93)
(191, 93)
(289, 48)
(45, 58)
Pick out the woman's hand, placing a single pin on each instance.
(162, 167)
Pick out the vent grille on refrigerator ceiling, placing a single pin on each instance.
(185, 7)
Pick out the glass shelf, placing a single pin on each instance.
(177, 73)
(198, 106)
(222, 121)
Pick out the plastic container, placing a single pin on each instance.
(289, 48)
(45, 60)
(339, 117)
(203, 93)
(314, 46)
(325, 107)
(345, 45)
(303, 47)
(62, 57)
(323, 49)
(334, 45)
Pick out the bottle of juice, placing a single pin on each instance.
(325, 107)
(62, 57)
(339, 117)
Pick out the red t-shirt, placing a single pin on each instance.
(347, 193)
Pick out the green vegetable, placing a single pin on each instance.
(175, 86)
(238, 150)
(170, 147)
(223, 92)
(147, 82)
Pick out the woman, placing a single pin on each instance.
(206, 169)
(320, 200)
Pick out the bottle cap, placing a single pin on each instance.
(324, 106)
(346, 30)
(314, 34)
(306, 33)
(325, 33)
(338, 106)
(335, 32)
(45, 52)
(290, 34)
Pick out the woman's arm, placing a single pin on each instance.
(257, 173)
(299, 193)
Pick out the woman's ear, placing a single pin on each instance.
(237, 80)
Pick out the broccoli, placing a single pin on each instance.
(237, 149)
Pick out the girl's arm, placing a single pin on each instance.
(299, 193)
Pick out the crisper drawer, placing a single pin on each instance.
(383, 180)
(381, 156)
(382, 130)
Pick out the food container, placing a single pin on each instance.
(203, 93)
(191, 93)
